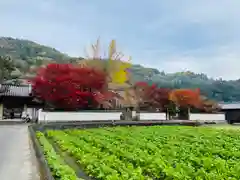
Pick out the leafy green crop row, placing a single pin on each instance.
(101, 165)
(58, 168)
(154, 152)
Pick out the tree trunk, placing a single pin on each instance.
(183, 113)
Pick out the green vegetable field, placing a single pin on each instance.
(146, 152)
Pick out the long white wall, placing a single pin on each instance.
(103, 116)
(207, 117)
(152, 116)
(91, 116)
(78, 116)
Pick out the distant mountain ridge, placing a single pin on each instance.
(27, 54)
(22, 49)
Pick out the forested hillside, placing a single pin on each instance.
(24, 50)
(27, 54)
(219, 90)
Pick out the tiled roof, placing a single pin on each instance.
(15, 90)
(230, 106)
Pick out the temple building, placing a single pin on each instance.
(232, 112)
(15, 99)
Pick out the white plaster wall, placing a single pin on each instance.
(41, 115)
(152, 116)
(104, 116)
(207, 117)
(78, 116)
(91, 116)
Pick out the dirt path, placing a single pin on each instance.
(16, 155)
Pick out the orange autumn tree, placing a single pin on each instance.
(184, 99)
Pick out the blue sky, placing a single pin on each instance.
(171, 35)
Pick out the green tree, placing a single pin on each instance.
(7, 66)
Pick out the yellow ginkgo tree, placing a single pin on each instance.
(119, 79)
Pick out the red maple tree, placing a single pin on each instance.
(151, 96)
(66, 86)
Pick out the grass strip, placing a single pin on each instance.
(69, 160)
(59, 169)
